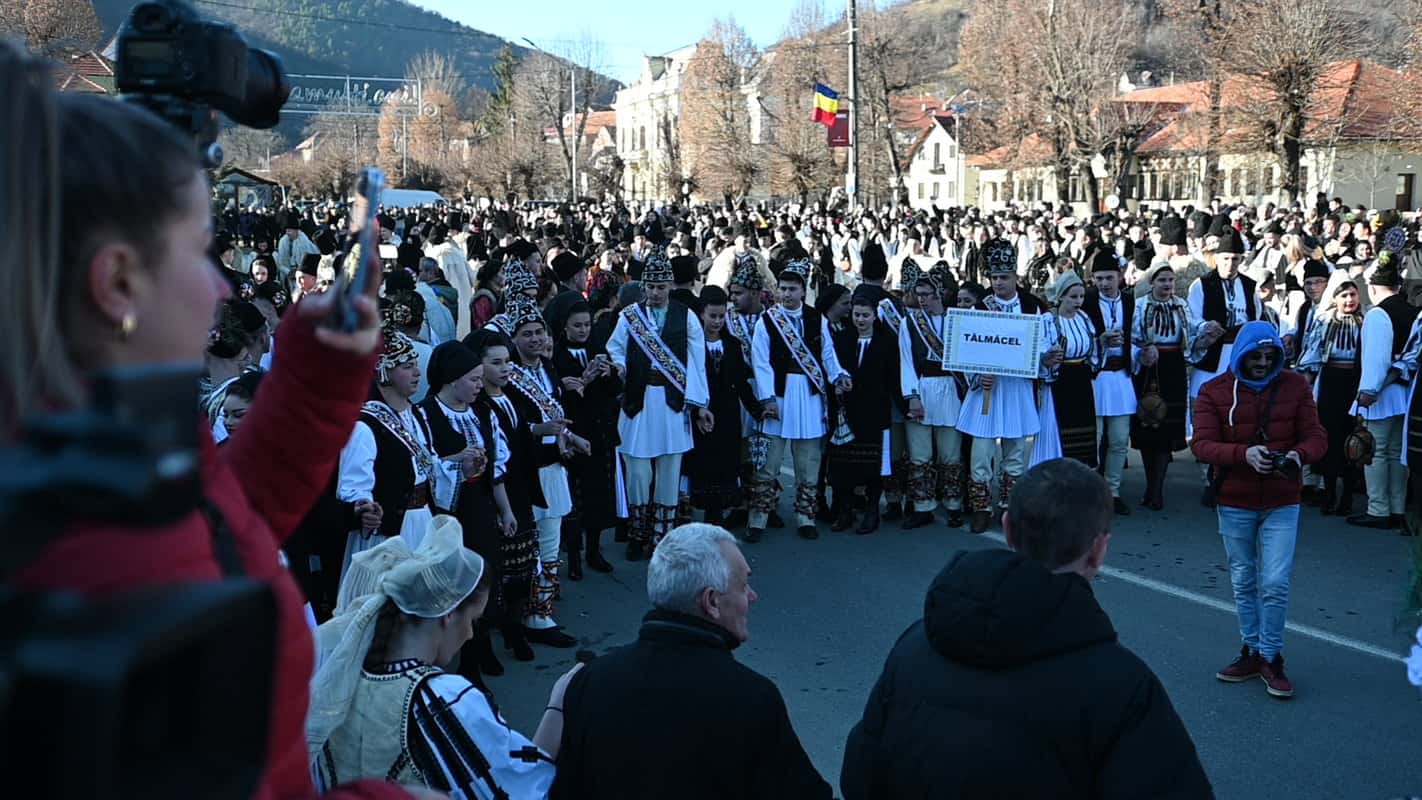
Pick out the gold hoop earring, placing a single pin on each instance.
(127, 326)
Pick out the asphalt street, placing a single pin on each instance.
(830, 609)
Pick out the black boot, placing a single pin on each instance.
(594, 547)
(1330, 495)
(573, 542)
(516, 640)
(619, 533)
(1344, 507)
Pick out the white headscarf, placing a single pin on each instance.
(430, 582)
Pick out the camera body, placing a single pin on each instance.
(184, 68)
(1283, 466)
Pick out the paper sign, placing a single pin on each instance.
(992, 343)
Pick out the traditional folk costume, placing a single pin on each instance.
(469, 497)
(388, 460)
(1329, 353)
(661, 354)
(933, 443)
(1407, 366)
(1158, 430)
(543, 394)
(742, 328)
(891, 313)
(795, 366)
(857, 446)
(1011, 413)
(1114, 393)
(1385, 332)
(1230, 303)
(593, 477)
(1068, 408)
(714, 467)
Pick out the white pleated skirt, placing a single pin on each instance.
(1012, 415)
(656, 430)
(554, 481)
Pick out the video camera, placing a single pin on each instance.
(184, 68)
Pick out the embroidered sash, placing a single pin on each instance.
(891, 314)
(656, 350)
(740, 326)
(798, 350)
(533, 389)
(392, 422)
(929, 336)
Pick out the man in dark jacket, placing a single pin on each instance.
(1013, 684)
(673, 715)
(1257, 426)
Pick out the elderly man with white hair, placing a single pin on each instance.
(674, 714)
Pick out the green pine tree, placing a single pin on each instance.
(496, 117)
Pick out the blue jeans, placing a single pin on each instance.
(1260, 546)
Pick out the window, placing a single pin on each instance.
(1251, 181)
(1141, 185)
(952, 151)
(934, 194)
(1268, 180)
(937, 154)
(1303, 179)
(993, 192)
(1153, 186)
(642, 138)
(920, 190)
(953, 189)
(1074, 188)
(1038, 196)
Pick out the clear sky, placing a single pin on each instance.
(627, 28)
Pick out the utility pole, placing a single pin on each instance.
(573, 103)
(852, 180)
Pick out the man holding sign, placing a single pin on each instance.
(1001, 404)
(795, 365)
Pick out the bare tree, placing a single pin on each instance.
(811, 51)
(342, 143)
(1286, 49)
(715, 130)
(53, 27)
(1051, 71)
(249, 148)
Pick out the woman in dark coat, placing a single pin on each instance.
(591, 388)
(713, 467)
(465, 436)
(870, 351)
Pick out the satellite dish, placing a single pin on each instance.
(1113, 202)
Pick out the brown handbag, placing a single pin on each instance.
(1150, 407)
(1358, 448)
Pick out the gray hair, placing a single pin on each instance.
(687, 562)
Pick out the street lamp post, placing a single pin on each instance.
(573, 104)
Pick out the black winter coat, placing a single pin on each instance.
(1013, 686)
(674, 715)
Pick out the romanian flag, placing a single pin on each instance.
(826, 104)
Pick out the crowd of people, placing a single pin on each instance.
(527, 377)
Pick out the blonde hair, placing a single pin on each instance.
(77, 171)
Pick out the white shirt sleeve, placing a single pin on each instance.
(828, 356)
(760, 355)
(697, 392)
(501, 452)
(1195, 299)
(617, 345)
(908, 376)
(356, 475)
(495, 740)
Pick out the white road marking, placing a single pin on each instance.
(1356, 645)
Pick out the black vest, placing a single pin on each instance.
(1091, 306)
(780, 358)
(639, 365)
(394, 473)
(1216, 311)
(1401, 314)
(922, 364)
(544, 454)
(449, 442)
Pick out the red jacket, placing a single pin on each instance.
(1227, 417)
(263, 481)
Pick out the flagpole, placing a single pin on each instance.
(852, 178)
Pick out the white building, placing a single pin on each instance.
(937, 173)
(648, 114)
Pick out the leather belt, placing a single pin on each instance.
(656, 378)
(419, 496)
(1167, 348)
(1114, 363)
(1073, 362)
(1343, 363)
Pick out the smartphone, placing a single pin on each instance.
(357, 270)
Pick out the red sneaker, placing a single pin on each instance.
(1272, 673)
(1243, 668)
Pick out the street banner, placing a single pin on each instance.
(993, 343)
(839, 131)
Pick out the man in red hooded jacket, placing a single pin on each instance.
(1256, 426)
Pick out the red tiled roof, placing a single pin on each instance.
(1032, 150)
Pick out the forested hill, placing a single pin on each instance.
(376, 38)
